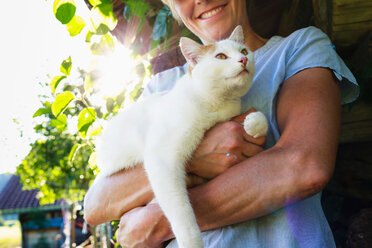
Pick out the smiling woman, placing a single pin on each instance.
(272, 197)
(211, 20)
(210, 13)
(265, 19)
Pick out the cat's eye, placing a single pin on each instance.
(244, 51)
(221, 56)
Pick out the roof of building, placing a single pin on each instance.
(13, 199)
(4, 178)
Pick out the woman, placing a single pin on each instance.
(271, 199)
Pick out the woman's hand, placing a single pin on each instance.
(223, 146)
(144, 227)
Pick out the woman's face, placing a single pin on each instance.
(212, 20)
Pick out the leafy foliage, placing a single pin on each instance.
(47, 168)
(86, 118)
(58, 163)
(103, 18)
(66, 66)
(161, 23)
(61, 102)
(55, 81)
(62, 162)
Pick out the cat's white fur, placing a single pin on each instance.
(162, 131)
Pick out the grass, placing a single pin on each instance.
(10, 237)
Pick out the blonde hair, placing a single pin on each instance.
(170, 4)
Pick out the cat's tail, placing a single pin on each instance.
(167, 178)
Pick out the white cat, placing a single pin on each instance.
(162, 131)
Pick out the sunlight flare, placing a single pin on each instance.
(115, 72)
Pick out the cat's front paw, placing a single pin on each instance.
(255, 124)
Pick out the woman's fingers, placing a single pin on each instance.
(223, 146)
(240, 118)
(239, 142)
(212, 164)
(260, 141)
(251, 149)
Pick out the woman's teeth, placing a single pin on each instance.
(211, 13)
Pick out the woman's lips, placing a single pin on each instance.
(212, 12)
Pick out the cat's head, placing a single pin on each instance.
(227, 65)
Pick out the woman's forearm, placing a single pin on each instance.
(253, 188)
(298, 166)
(109, 198)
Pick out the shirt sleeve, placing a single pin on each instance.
(164, 81)
(312, 48)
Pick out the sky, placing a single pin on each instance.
(33, 43)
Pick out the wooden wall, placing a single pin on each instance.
(345, 21)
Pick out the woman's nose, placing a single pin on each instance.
(201, 1)
(243, 60)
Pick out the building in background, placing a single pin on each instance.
(42, 225)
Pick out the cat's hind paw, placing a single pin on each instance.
(255, 124)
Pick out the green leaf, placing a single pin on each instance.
(94, 131)
(126, 13)
(73, 151)
(120, 99)
(105, 45)
(86, 118)
(141, 25)
(153, 46)
(95, 48)
(60, 123)
(136, 93)
(88, 83)
(42, 111)
(103, 18)
(75, 26)
(55, 81)
(107, 41)
(61, 102)
(66, 66)
(99, 112)
(140, 70)
(64, 10)
(88, 37)
(110, 104)
(169, 28)
(102, 29)
(92, 160)
(138, 7)
(160, 26)
(97, 2)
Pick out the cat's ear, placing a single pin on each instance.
(191, 50)
(237, 35)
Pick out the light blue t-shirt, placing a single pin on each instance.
(301, 224)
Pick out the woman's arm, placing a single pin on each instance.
(109, 198)
(297, 167)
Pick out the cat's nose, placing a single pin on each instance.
(243, 60)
